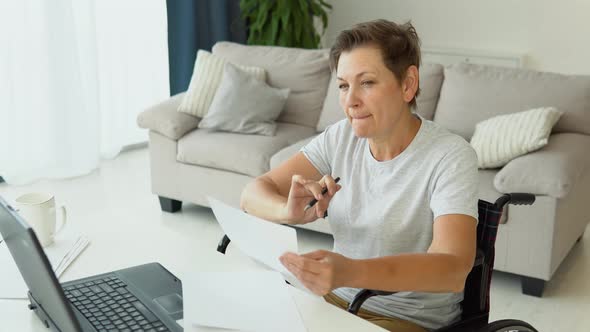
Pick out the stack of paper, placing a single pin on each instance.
(60, 254)
(248, 301)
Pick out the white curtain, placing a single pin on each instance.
(74, 74)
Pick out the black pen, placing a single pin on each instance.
(324, 191)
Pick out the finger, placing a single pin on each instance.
(306, 277)
(322, 205)
(314, 284)
(298, 180)
(302, 263)
(311, 281)
(286, 260)
(292, 268)
(318, 210)
(310, 215)
(315, 188)
(288, 255)
(311, 286)
(311, 186)
(317, 254)
(330, 184)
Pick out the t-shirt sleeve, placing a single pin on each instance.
(319, 151)
(455, 187)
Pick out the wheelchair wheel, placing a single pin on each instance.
(509, 325)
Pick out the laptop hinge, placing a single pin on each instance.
(43, 316)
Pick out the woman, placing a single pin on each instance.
(404, 214)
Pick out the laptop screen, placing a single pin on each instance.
(35, 268)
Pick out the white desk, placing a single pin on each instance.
(181, 242)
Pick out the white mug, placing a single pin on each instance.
(38, 210)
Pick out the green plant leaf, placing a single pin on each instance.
(306, 37)
(263, 14)
(298, 25)
(266, 36)
(274, 29)
(283, 11)
(248, 6)
(316, 9)
(304, 6)
(325, 4)
(284, 22)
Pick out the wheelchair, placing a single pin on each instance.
(476, 300)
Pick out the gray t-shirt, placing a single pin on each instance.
(388, 208)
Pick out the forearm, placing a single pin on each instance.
(262, 199)
(428, 272)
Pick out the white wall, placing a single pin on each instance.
(553, 35)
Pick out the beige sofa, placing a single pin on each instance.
(187, 164)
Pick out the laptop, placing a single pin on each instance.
(141, 298)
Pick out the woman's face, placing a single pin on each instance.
(370, 95)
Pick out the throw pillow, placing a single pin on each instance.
(503, 138)
(205, 81)
(244, 104)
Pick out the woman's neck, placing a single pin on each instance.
(390, 146)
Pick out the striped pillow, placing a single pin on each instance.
(503, 138)
(205, 81)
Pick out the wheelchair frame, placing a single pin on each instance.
(476, 300)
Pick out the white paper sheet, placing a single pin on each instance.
(260, 239)
(66, 256)
(245, 301)
(60, 254)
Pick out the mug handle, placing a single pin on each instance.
(63, 219)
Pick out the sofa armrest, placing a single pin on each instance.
(166, 120)
(552, 170)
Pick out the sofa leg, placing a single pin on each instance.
(532, 286)
(170, 205)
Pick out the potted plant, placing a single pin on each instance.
(288, 23)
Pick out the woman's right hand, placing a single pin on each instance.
(302, 191)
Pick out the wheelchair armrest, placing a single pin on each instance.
(515, 199)
(361, 297)
(365, 294)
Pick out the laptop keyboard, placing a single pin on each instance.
(109, 306)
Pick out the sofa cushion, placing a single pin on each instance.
(331, 110)
(431, 78)
(286, 153)
(505, 137)
(240, 153)
(244, 104)
(552, 170)
(472, 93)
(207, 75)
(164, 119)
(305, 72)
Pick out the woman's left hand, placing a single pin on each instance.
(320, 271)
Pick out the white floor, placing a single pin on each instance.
(121, 189)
